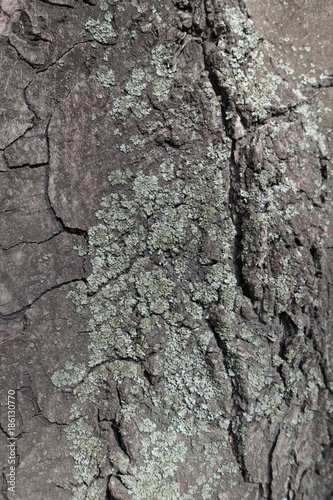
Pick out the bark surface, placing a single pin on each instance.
(166, 249)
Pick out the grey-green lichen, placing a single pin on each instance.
(138, 224)
(106, 76)
(130, 295)
(161, 82)
(162, 259)
(102, 31)
(70, 375)
(244, 73)
(162, 61)
(89, 453)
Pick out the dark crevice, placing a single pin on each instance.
(214, 322)
(4, 488)
(237, 220)
(324, 371)
(238, 395)
(27, 165)
(46, 68)
(183, 6)
(13, 142)
(36, 119)
(109, 495)
(243, 8)
(277, 112)
(289, 331)
(327, 84)
(233, 200)
(270, 466)
(62, 488)
(48, 422)
(301, 479)
(4, 432)
(21, 57)
(27, 29)
(29, 242)
(119, 439)
(235, 444)
(316, 257)
(149, 377)
(55, 4)
(62, 227)
(55, 287)
(261, 491)
(6, 162)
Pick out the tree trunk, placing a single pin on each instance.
(165, 280)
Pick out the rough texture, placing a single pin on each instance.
(167, 244)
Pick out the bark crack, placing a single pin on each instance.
(28, 392)
(5, 249)
(55, 4)
(43, 70)
(28, 306)
(235, 446)
(270, 466)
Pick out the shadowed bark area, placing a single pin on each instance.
(166, 244)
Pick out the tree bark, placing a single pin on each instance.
(166, 242)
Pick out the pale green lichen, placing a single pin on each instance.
(132, 100)
(70, 375)
(159, 463)
(45, 259)
(161, 257)
(162, 61)
(95, 490)
(123, 283)
(88, 451)
(102, 31)
(311, 127)
(106, 76)
(250, 84)
(90, 388)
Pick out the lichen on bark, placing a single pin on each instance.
(189, 172)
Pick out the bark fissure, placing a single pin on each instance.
(270, 466)
(48, 290)
(55, 4)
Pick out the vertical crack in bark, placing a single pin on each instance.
(237, 221)
(35, 118)
(233, 201)
(270, 466)
(47, 179)
(235, 446)
(4, 487)
(234, 439)
(239, 403)
(117, 431)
